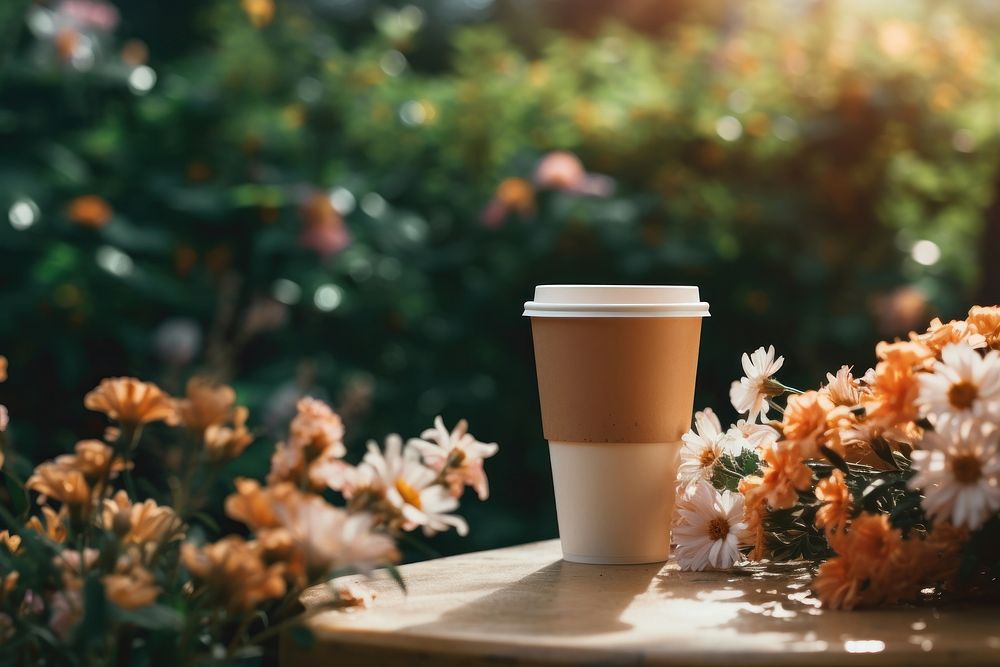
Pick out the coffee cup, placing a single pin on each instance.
(616, 368)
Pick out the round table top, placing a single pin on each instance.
(526, 606)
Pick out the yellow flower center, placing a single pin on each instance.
(409, 494)
(963, 394)
(718, 528)
(707, 458)
(966, 469)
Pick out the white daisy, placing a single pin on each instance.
(747, 435)
(459, 452)
(703, 445)
(749, 394)
(411, 487)
(709, 528)
(962, 386)
(959, 473)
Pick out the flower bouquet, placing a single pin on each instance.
(889, 481)
(102, 573)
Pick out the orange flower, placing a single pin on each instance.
(223, 442)
(315, 444)
(130, 401)
(232, 573)
(894, 393)
(873, 541)
(986, 320)
(54, 527)
(904, 353)
(517, 195)
(812, 420)
(3, 368)
(836, 585)
(93, 458)
(785, 475)
(836, 499)
(842, 388)
(254, 505)
(144, 522)
(11, 542)
(206, 404)
(754, 508)
(131, 587)
(938, 335)
(89, 211)
(65, 485)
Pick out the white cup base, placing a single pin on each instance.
(614, 501)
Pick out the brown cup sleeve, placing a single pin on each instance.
(616, 379)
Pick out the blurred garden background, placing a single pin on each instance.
(352, 199)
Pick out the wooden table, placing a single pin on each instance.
(526, 606)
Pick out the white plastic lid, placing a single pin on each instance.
(616, 301)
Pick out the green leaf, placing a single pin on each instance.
(836, 459)
(397, 576)
(153, 617)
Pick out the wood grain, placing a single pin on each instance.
(526, 606)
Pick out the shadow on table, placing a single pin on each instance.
(559, 599)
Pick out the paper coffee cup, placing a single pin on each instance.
(616, 371)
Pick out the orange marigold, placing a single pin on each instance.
(205, 404)
(836, 585)
(894, 394)
(986, 320)
(833, 515)
(812, 421)
(232, 573)
(130, 401)
(784, 475)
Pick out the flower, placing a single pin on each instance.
(842, 388)
(313, 449)
(748, 435)
(205, 404)
(323, 229)
(560, 170)
(873, 541)
(130, 401)
(93, 458)
(329, 538)
(131, 586)
(811, 421)
(939, 335)
(232, 573)
(963, 385)
(141, 522)
(66, 485)
(702, 447)
(223, 443)
(709, 529)
(986, 320)
(959, 473)
(11, 542)
(784, 475)
(894, 389)
(54, 526)
(254, 505)
(3, 368)
(408, 488)
(89, 211)
(458, 454)
(836, 498)
(836, 585)
(754, 508)
(749, 394)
